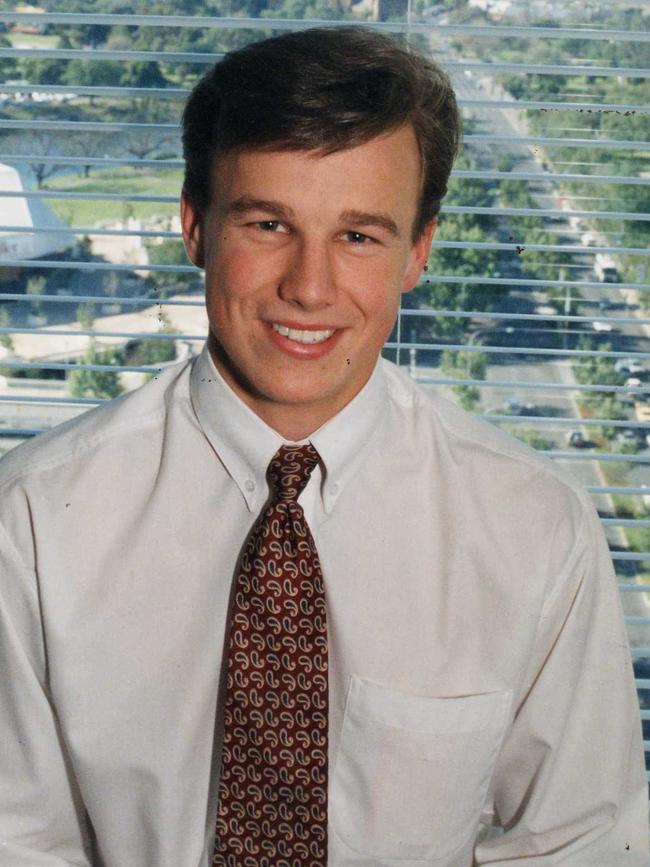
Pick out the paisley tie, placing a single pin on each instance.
(273, 786)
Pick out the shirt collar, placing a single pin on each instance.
(245, 444)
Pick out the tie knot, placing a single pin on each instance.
(289, 471)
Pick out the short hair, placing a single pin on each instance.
(321, 89)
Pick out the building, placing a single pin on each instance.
(19, 215)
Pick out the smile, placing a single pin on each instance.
(301, 336)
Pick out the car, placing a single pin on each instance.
(605, 304)
(513, 406)
(577, 439)
(606, 269)
(633, 382)
(601, 325)
(629, 366)
(628, 436)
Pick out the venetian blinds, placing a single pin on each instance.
(534, 310)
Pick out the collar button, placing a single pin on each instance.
(249, 484)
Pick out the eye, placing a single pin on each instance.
(269, 225)
(357, 238)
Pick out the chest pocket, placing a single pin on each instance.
(412, 772)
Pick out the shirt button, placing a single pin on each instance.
(249, 484)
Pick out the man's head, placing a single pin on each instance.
(324, 89)
(316, 163)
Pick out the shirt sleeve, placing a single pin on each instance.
(42, 820)
(570, 786)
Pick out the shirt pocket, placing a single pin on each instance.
(412, 772)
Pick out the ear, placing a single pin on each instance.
(191, 226)
(418, 256)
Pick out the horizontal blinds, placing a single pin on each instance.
(515, 318)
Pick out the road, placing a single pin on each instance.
(544, 405)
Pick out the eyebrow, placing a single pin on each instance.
(246, 204)
(364, 218)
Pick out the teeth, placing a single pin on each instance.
(303, 336)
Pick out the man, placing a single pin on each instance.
(280, 607)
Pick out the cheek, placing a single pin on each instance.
(378, 293)
(235, 274)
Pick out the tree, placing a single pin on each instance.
(111, 284)
(89, 73)
(36, 286)
(596, 370)
(144, 143)
(48, 71)
(463, 262)
(464, 365)
(41, 142)
(5, 321)
(86, 316)
(142, 74)
(470, 227)
(532, 438)
(96, 383)
(170, 252)
(155, 350)
(6, 341)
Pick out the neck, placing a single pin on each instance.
(293, 422)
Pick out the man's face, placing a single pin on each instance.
(305, 259)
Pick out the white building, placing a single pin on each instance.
(22, 213)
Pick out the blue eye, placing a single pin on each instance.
(268, 225)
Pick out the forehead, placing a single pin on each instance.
(384, 172)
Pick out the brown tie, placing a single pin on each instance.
(273, 786)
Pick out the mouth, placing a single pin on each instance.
(304, 336)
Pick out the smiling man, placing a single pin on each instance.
(280, 607)
(306, 255)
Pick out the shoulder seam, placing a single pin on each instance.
(539, 464)
(93, 441)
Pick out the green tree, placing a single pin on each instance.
(155, 350)
(96, 383)
(170, 252)
(531, 437)
(36, 286)
(464, 365)
(6, 341)
(142, 74)
(111, 284)
(86, 316)
(5, 321)
(596, 370)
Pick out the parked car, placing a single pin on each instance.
(629, 366)
(577, 439)
(628, 436)
(605, 304)
(601, 325)
(513, 406)
(606, 269)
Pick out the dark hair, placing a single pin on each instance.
(324, 89)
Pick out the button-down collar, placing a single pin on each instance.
(245, 444)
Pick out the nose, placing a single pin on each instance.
(308, 279)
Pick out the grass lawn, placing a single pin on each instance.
(32, 40)
(127, 181)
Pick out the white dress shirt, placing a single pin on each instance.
(478, 661)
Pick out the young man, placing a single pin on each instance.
(280, 607)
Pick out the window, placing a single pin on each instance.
(534, 310)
